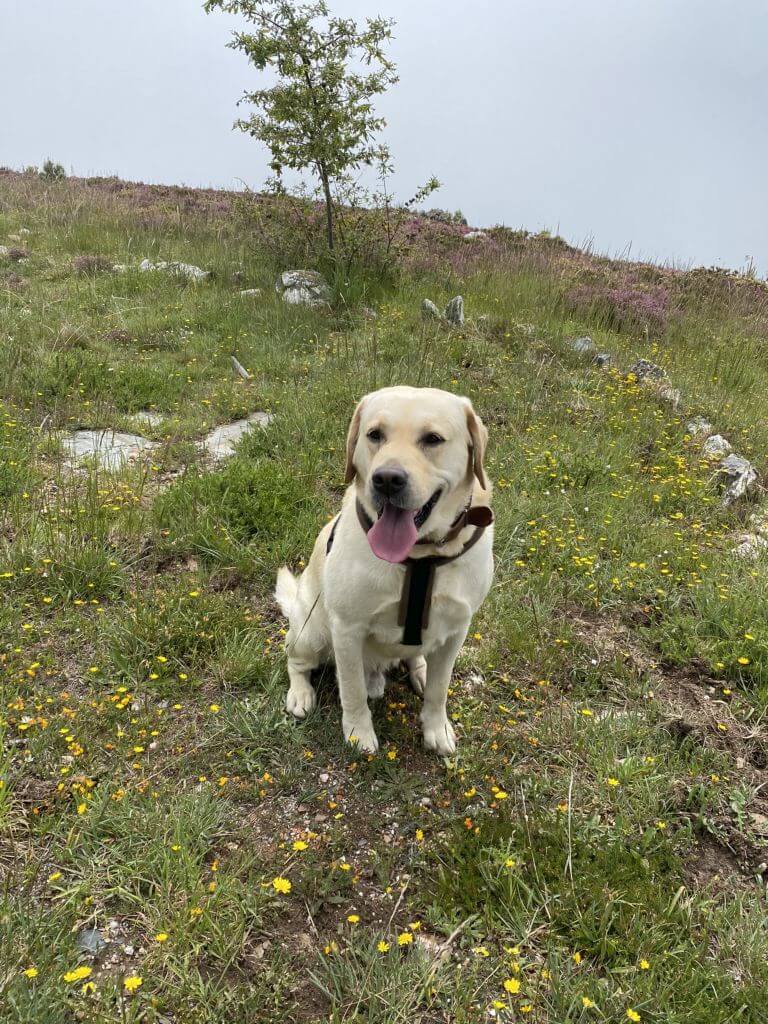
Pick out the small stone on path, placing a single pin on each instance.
(90, 940)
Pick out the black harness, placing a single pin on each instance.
(416, 594)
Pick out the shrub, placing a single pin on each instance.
(52, 171)
(89, 265)
(625, 305)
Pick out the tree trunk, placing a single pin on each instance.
(328, 207)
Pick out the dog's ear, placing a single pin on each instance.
(352, 435)
(479, 439)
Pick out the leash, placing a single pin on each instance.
(416, 594)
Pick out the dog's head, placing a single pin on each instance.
(414, 453)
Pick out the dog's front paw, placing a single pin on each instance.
(361, 735)
(439, 735)
(300, 700)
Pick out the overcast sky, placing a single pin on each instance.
(640, 125)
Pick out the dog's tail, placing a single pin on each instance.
(286, 591)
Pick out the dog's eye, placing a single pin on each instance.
(432, 439)
(375, 435)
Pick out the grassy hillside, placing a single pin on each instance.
(595, 852)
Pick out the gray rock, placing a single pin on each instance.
(147, 418)
(250, 293)
(220, 443)
(429, 310)
(110, 449)
(716, 446)
(303, 288)
(187, 270)
(644, 369)
(672, 396)
(750, 546)
(582, 346)
(739, 476)
(699, 427)
(759, 523)
(90, 940)
(603, 359)
(454, 311)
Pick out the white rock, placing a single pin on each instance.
(3, 250)
(145, 417)
(188, 270)
(582, 346)
(750, 546)
(716, 446)
(759, 523)
(454, 311)
(671, 395)
(303, 288)
(740, 477)
(250, 292)
(472, 235)
(644, 369)
(108, 448)
(699, 427)
(220, 443)
(429, 310)
(120, 268)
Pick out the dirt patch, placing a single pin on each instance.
(714, 866)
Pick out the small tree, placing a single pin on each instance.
(319, 114)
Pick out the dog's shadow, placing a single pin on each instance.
(327, 688)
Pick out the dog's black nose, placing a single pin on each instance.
(389, 481)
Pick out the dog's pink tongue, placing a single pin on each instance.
(393, 534)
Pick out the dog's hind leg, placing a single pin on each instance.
(417, 673)
(302, 659)
(375, 682)
(301, 697)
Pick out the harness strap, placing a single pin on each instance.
(332, 535)
(416, 595)
(415, 599)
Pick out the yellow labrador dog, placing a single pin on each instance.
(398, 575)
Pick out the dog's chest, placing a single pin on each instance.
(454, 599)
